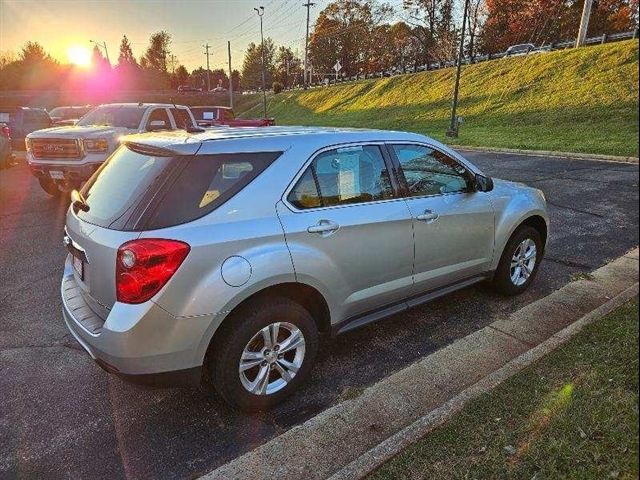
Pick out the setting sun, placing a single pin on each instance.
(79, 56)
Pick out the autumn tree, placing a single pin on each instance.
(343, 32)
(509, 22)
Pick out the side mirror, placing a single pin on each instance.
(483, 184)
(157, 125)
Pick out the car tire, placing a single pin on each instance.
(50, 187)
(515, 272)
(242, 337)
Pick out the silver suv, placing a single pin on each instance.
(234, 249)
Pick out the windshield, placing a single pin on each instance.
(114, 116)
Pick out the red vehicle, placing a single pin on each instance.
(215, 116)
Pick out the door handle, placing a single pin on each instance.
(428, 216)
(324, 227)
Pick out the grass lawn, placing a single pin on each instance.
(582, 100)
(573, 414)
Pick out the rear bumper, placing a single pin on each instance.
(142, 342)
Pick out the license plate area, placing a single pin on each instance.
(56, 174)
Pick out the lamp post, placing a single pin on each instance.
(260, 12)
(453, 127)
(103, 45)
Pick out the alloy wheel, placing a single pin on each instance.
(272, 358)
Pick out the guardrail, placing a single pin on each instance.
(605, 38)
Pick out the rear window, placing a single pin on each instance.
(136, 191)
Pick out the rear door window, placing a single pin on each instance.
(343, 176)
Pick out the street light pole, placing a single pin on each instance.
(306, 44)
(103, 45)
(260, 12)
(453, 127)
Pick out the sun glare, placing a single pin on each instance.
(79, 56)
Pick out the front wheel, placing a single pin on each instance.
(519, 262)
(266, 351)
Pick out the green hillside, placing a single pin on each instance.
(582, 100)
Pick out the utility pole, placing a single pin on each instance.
(206, 52)
(260, 12)
(306, 42)
(453, 127)
(103, 45)
(172, 58)
(584, 23)
(230, 76)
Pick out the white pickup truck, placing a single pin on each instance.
(61, 158)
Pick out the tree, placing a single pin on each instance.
(181, 75)
(155, 58)
(98, 60)
(126, 57)
(475, 20)
(154, 61)
(509, 22)
(288, 67)
(252, 65)
(33, 53)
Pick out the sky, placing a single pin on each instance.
(61, 24)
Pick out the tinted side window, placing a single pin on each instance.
(204, 183)
(430, 172)
(159, 114)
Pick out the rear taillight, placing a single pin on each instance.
(144, 266)
(5, 131)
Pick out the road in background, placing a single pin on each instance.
(61, 415)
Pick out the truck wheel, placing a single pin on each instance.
(50, 187)
(267, 350)
(519, 262)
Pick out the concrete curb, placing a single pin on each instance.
(548, 153)
(385, 451)
(354, 437)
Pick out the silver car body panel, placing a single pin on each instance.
(256, 240)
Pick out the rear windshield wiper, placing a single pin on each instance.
(78, 201)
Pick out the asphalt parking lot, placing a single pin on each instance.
(62, 416)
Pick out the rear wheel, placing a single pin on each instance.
(267, 350)
(519, 262)
(50, 187)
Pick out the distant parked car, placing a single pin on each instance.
(22, 121)
(188, 89)
(68, 115)
(212, 116)
(6, 153)
(218, 89)
(518, 50)
(61, 158)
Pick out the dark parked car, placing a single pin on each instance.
(22, 121)
(68, 115)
